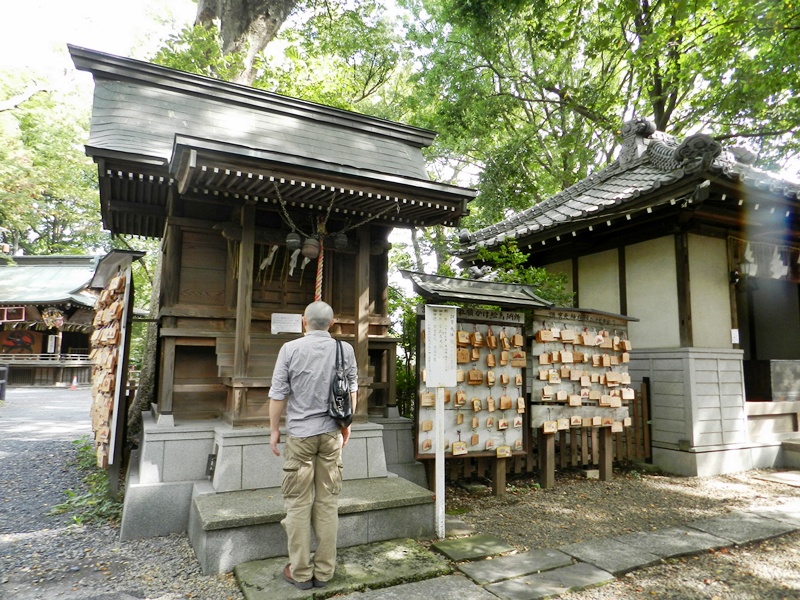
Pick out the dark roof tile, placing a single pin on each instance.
(664, 163)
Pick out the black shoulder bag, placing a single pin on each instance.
(339, 406)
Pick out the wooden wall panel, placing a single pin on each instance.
(344, 300)
(203, 268)
(198, 392)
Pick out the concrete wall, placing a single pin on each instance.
(598, 281)
(697, 409)
(710, 292)
(652, 294)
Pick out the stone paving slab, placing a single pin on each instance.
(452, 587)
(674, 541)
(265, 505)
(611, 555)
(742, 527)
(473, 548)
(786, 477)
(454, 527)
(376, 565)
(786, 513)
(515, 565)
(551, 583)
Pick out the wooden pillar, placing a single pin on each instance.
(547, 459)
(499, 476)
(584, 446)
(167, 382)
(362, 322)
(684, 290)
(606, 454)
(244, 309)
(389, 376)
(169, 292)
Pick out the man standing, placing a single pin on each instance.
(312, 472)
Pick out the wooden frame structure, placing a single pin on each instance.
(223, 174)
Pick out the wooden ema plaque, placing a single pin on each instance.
(488, 416)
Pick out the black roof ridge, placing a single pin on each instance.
(553, 201)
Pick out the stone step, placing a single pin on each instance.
(227, 529)
(791, 453)
(372, 566)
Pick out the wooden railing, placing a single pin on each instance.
(49, 359)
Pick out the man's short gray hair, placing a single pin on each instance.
(318, 316)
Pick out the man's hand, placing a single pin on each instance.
(345, 435)
(274, 440)
(275, 411)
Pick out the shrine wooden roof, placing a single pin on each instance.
(47, 280)
(655, 176)
(156, 129)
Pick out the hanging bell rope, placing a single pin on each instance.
(320, 260)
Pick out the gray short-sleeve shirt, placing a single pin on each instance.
(303, 374)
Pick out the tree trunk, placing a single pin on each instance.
(245, 26)
(417, 252)
(145, 390)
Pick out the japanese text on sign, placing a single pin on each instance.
(440, 345)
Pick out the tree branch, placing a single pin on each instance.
(757, 134)
(15, 101)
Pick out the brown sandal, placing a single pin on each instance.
(300, 585)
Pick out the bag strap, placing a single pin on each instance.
(338, 353)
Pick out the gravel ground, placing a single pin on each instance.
(46, 556)
(577, 509)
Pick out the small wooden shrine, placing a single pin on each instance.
(263, 204)
(46, 312)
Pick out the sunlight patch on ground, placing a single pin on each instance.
(40, 536)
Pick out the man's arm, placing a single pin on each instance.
(346, 430)
(275, 411)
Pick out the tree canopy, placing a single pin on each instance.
(48, 187)
(534, 92)
(528, 96)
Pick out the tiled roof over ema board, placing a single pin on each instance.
(649, 161)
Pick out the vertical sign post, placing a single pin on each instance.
(440, 372)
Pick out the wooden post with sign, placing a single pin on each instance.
(440, 359)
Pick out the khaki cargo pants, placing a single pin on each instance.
(312, 480)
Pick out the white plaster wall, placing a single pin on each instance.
(652, 290)
(598, 281)
(563, 267)
(710, 292)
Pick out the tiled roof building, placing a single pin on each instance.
(703, 249)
